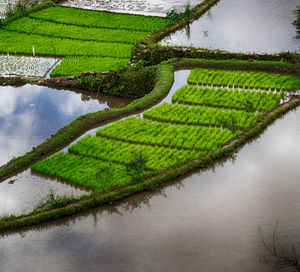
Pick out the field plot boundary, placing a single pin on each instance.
(75, 129)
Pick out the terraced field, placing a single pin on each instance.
(89, 40)
(168, 135)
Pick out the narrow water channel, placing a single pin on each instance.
(205, 221)
(260, 26)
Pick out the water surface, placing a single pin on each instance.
(30, 114)
(260, 26)
(205, 221)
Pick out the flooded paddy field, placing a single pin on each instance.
(243, 26)
(144, 7)
(26, 66)
(204, 221)
(31, 114)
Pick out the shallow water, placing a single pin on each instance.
(260, 26)
(23, 192)
(205, 221)
(30, 114)
(144, 7)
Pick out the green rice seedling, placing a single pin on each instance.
(199, 115)
(115, 151)
(259, 80)
(86, 172)
(225, 97)
(100, 19)
(45, 28)
(76, 65)
(136, 130)
(14, 42)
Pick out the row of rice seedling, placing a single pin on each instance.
(67, 32)
(100, 19)
(158, 158)
(41, 27)
(14, 42)
(87, 172)
(76, 65)
(227, 98)
(199, 115)
(244, 79)
(137, 130)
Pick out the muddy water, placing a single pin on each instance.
(206, 221)
(31, 114)
(261, 26)
(144, 7)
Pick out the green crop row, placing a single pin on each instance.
(227, 98)
(198, 115)
(100, 19)
(14, 42)
(158, 158)
(244, 79)
(87, 172)
(76, 65)
(137, 130)
(41, 27)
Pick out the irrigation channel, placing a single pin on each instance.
(243, 26)
(205, 221)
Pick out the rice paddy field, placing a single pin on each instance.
(87, 40)
(25, 66)
(203, 221)
(200, 119)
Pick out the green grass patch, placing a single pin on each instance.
(121, 152)
(227, 98)
(76, 65)
(101, 19)
(244, 79)
(137, 130)
(199, 115)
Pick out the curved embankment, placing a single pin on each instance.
(78, 126)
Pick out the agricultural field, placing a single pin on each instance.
(26, 66)
(90, 40)
(167, 135)
(244, 79)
